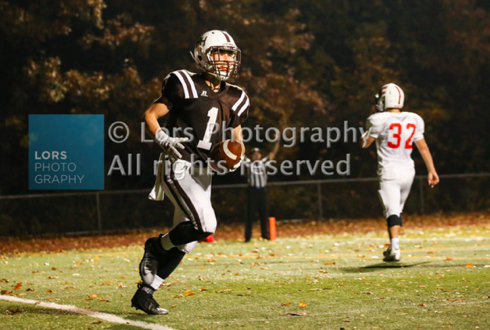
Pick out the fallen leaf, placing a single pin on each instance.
(449, 258)
(469, 266)
(17, 287)
(93, 296)
(224, 291)
(54, 268)
(97, 322)
(188, 293)
(297, 314)
(302, 305)
(49, 291)
(368, 292)
(14, 311)
(29, 289)
(286, 304)
(421, 304)
(6, 292)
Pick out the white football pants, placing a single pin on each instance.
(190, 192)
(394, 192)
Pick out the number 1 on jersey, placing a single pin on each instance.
(205, 143)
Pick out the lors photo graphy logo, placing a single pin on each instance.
(66, 152)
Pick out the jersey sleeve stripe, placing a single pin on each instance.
(245, 106)
(237, 103)
(191, 83)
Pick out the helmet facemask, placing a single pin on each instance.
(380, 101)
(222, 62)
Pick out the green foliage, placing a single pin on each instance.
(305, 64)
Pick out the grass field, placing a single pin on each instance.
(316, 281)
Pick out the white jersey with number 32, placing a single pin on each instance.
(395, 134)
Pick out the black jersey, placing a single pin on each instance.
(199, 113)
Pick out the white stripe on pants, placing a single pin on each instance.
(191, 195)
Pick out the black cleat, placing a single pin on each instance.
(143, 300)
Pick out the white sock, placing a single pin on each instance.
(166, 243)
(157, 281)
(395, 243)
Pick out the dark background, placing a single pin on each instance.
(308, 63)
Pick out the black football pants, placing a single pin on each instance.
(257, 203)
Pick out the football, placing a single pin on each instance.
(225, 155)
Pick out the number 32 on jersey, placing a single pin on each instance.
(395, 139)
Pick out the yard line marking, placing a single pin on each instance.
(102, 316)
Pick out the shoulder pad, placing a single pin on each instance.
(188, 86)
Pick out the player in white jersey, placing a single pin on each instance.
(395, 132)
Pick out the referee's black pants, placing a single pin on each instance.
(257, 202)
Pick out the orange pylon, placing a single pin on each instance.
(272, 228)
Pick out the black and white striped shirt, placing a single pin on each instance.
(256, 172)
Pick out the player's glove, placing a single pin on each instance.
(170, 144)
(365, 138)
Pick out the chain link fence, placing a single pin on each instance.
(97, 212)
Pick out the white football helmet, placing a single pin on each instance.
(217, 54)
(390, 96)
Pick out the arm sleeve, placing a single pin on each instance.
(172, 92)
(419, 128)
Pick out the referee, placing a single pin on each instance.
(256, 170)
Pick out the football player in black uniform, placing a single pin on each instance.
(200, 107)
